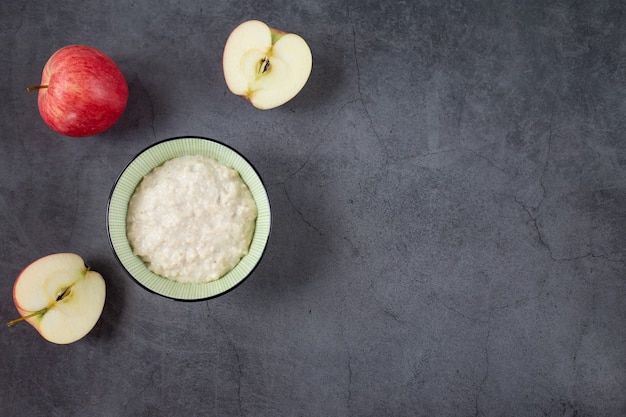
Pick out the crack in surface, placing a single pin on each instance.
(354, 249)
(20, 23)
(349, 370)
(486, 374)
(349, 387)
(489, 161)
(360, 91)
(308, 223)
(239, 365)
(454, 310)
(451, 150)
(546, 161)
(533, 213)
(320, 142)
(150, 102)
(542, 241)
(459, 119)
(535, 225)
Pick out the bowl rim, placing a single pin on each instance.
(265, 237)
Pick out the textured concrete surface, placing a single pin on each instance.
(448, 194)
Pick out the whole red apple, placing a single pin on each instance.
(82, 91)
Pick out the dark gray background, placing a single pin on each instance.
(448, 194)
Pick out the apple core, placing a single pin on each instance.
(266, 66)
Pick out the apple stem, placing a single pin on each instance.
(36, 313)
(35, 87)
(66, 292)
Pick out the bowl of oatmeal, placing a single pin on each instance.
(189, 218)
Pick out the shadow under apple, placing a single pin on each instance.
(327, 75)
(143, 104)
(114, 302)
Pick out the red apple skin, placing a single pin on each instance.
(86, 92)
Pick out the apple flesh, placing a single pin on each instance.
(60, 297)
(265, 66)
(82, 91)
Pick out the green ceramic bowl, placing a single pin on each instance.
(128, 180)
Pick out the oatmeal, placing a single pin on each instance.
(191, 219)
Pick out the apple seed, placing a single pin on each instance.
(264, 65)
(63, 294)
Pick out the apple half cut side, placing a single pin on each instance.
(265, 66)
(60, 297)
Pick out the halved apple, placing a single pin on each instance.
(266, 66)
(60, 297)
